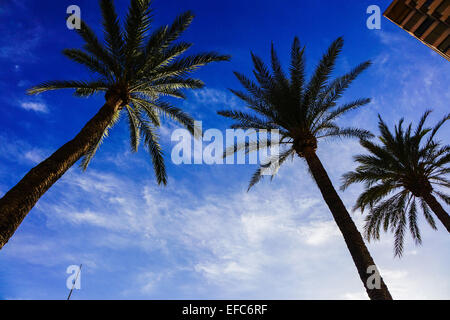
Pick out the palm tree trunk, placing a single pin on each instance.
(355, 244)
(438, 210)
(17, 202)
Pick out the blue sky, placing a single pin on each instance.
(203, 236)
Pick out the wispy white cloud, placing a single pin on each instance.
(208, 101)
(35, 106)
(12, 148)
(274, 242)
(409, 79)
(319, 233)
(213, 96)
(34, 155)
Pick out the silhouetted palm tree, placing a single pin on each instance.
(304, 112)
(134, 70)
(398, 174)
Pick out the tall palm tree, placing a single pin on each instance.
(135, 69)
(398, 174)
(304, 112)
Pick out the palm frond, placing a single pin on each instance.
(280, 77)
(96, 48)
(177, 115)
(187, 65)
(87, 158)
(438, 126)
(323, 71)
(297, 70)
(162, 38)
(148, 109)
(136, 26)
(82, 88)
(413, 227)
(262, 74)
(427, 214)
(112, 33)
(345, 108)
(443, 196)
(272, 164)
(180, 24)
(88, 61)
(133, 124)
(151, 138)
(347, 133)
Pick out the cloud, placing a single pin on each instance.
(211, 98)
(409, 79)
(11, 147)
(319, 233)
(354, 296)
(35, 156)
(274, 242)
(34, 106)
(214, 96)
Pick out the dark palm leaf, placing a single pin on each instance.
(112, 32)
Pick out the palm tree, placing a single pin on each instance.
(304, 112)
(405, 168)
(135, 69)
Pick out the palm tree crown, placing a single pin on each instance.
(403, 169)
(302, 111)
(138, 68)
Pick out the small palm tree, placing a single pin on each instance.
(135, 69)
(304, 112)
(399, 177)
